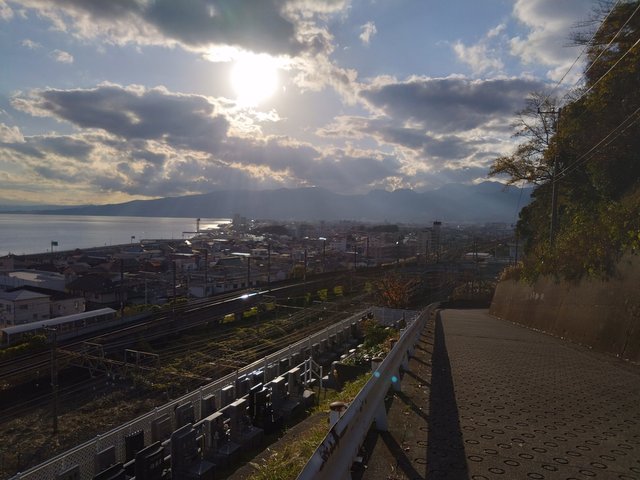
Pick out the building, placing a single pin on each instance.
(98, 290)
(33, 278)
(23, 306)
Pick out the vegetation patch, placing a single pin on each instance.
(285, 460)
(584, 159)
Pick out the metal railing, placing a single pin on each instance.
(335, 455)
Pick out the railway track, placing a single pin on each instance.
(34, 369)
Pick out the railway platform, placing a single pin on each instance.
(488, 399)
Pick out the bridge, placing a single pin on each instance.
(485, 398)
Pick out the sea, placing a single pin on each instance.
(28, 233)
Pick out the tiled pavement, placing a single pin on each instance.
(489, 399)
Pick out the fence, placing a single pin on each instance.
(335, 455)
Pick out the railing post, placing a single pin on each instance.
(404, 364)
(380, 417)
(395, 381)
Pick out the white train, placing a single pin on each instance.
(67, 327)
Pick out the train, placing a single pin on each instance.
(66, 327)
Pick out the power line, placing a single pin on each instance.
(608, 71)
(610, 41)
(584, 158)
(584, 49)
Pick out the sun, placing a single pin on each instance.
(254, 78)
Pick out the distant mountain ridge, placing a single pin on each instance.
(484, 202)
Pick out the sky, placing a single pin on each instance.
(110, 101)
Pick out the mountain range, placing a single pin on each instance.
(483, 202)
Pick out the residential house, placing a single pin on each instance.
(23, 306)
(99, 290)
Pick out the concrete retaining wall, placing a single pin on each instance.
(603, 315)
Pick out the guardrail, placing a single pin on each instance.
(270, 367)
(335, 455)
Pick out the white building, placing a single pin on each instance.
(23, 306)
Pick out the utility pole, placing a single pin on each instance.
(175, 291)
(269, 266)
(248, 270)
(553, 226)
(367, 252)
(324, 254)
(355, 256)
(304, 272)
(122, 287)
(206, 270)
(54, 376)
(554, 188)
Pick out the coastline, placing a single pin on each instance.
(34, 234)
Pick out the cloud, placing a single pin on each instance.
(295, 32)
(317, 72)
(368, 30)
(10, 134)
(276, 27)
(133, 112)
(496, 31)
(432, 148)
(134, 141)
(424, 155)
(6, 13)
(137, 142)
(479, 57)
(549, 23)
(30, 44)
(450, 104)
(62, 56)
(485, 55)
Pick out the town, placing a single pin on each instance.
(245, 254)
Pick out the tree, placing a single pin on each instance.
(597, 144)
(394, 291)
(535, 124)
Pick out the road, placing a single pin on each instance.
(486, 399)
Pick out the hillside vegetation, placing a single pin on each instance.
(590, 149)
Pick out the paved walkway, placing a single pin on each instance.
(489, 399)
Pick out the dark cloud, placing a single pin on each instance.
(446, 147)
(41, 145)
(269, 26)
(450, 104)
(65, 146)
(257, 25)
(25, 148)
(152, 158)
(431, 147)
(131, 113)
(54, 172)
